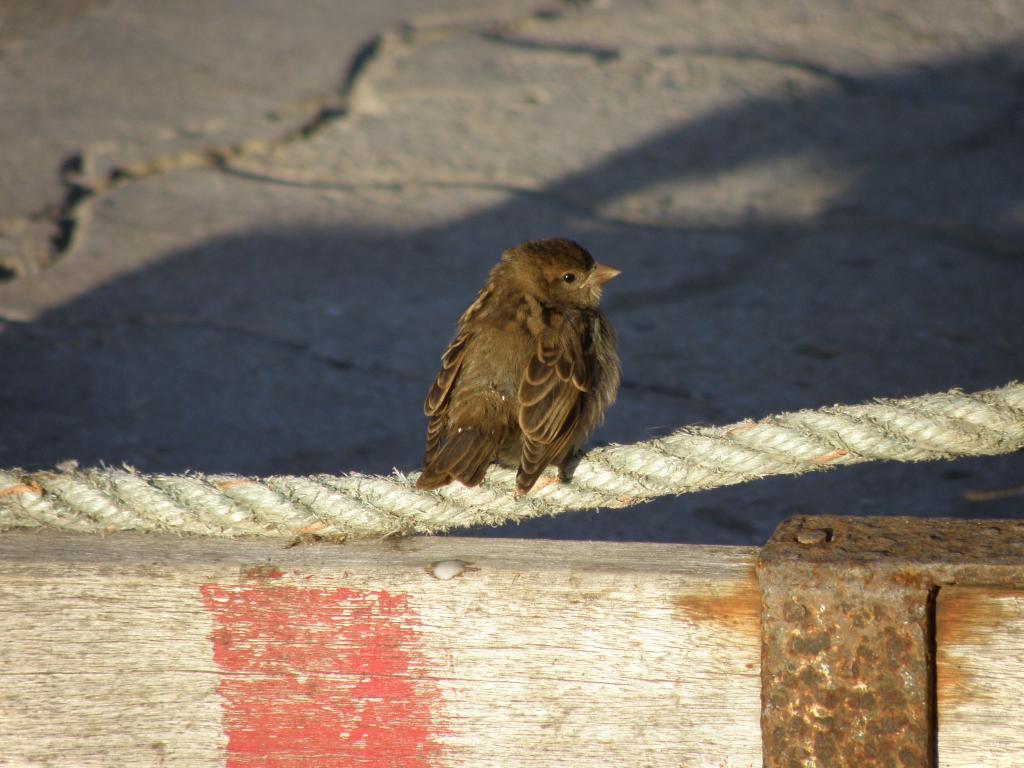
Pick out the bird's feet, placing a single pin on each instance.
(544, 482)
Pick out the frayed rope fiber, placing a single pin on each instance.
(105, 500)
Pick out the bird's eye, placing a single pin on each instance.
(569, 277)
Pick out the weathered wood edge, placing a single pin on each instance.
(128, 548)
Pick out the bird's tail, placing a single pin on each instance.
(464, 456)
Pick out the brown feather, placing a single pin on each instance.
(548, 394)
(530, 372)
(435, 431)
(464, 457)
(537, 455)
(437, 397)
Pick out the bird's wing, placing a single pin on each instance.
(451, 362)
(436, 404)
(550, 397)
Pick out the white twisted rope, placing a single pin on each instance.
(941, 426)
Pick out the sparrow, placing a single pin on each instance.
(530, 373)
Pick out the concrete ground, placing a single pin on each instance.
(236, 238)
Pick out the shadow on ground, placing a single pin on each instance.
(302, 350)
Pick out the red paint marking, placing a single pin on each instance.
(321, 678)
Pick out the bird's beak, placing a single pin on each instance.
(603, 273)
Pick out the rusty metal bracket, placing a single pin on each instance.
(848, 632)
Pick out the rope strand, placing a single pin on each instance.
(105, 500)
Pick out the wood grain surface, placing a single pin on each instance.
(980, 676)
(154, 651)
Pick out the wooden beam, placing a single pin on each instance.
(980, 676)
(150, 651)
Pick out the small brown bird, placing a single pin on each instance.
(531, 370)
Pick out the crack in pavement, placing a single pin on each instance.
(846, 83)
(80, 192)
(70, 215)
(599, 53)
